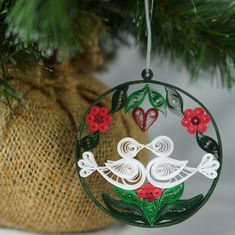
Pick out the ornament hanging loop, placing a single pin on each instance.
(147, 75)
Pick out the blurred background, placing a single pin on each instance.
(217, 216)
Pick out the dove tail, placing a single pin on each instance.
(87, 164)
(209, 166)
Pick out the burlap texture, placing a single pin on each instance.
(40, 189)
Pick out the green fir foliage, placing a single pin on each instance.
(202, 37)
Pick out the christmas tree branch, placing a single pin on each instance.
(202, 37)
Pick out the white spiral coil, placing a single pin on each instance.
(161, 146)
(128, 147)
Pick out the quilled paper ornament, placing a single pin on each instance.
(151, 195)
(144, 119)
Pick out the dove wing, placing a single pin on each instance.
(168, 172)
(127, 174)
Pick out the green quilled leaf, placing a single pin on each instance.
(171, 195)
(207, 144)
(135, 99)
(128, 196)
(90, 141)
(180, 209)
(150, 210)
(174, 102)
(157, 100)
(119, 99)
(124, 210)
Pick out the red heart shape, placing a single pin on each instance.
(144, 119)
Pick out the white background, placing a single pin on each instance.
(217, 217)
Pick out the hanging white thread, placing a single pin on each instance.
(149, 34)
(194, 6)
(149, 31)
(152, 4)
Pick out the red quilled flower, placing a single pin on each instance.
(149, 192)
(98, 119)
(195, 120)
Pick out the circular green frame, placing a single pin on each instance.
(107, 211)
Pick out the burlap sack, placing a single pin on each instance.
(39, 187)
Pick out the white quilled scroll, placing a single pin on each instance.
(162, 171)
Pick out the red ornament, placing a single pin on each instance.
(98, 119)
(195, 120)
(144, 119)
(149, 192)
